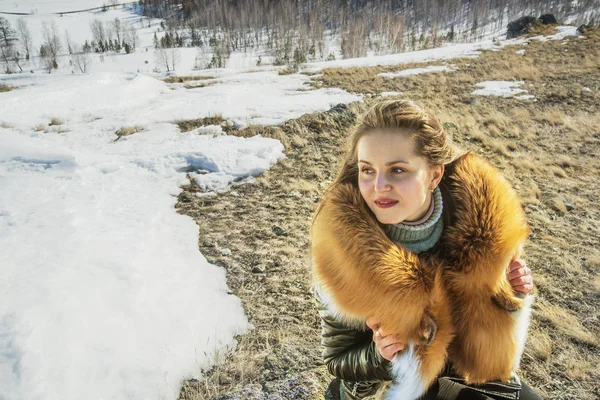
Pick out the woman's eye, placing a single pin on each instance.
(366, 170)
(397, 170)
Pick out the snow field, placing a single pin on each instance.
(104, 293)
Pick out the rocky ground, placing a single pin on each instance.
(549, 148)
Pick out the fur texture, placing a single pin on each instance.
(465, 290)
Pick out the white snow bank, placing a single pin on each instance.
(499, 88)
(418, 71)
(104, 293)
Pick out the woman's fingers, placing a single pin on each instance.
(525, 288)
(517, 272)
(521, 280)
(520, 277)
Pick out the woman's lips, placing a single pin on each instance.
(385, 203)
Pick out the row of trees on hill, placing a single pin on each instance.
(294, 30)
(16, 44)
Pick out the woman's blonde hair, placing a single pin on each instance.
(424, 129)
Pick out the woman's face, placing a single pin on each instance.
(394, 181)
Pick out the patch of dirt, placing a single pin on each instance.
(191, 124)
(549, 149)
(182, 79)
(6, 88)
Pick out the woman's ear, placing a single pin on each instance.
(437, 173)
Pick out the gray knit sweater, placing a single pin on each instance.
(420, 236)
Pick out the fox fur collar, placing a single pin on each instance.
(452, 304)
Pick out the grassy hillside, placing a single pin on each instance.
(548, 148)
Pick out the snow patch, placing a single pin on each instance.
(210, 130)
(525, 97)
(499, 88)
(388, 94)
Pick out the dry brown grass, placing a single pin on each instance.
(6, 88)
(539, 345)
(285, 71)
(564, 161)
(56, 121)
(566, 323)
(543, 30)
(593, 263)
(298, 141)
(199, 85)
(5, 125)
(558, 172)
(127, 131)
(182, 79)
(40, 127)
(554, 117)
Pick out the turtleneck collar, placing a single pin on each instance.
(422, 235)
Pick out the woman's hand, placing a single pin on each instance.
(519, 276)
(388, 345)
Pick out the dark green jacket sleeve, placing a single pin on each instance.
(349, 354)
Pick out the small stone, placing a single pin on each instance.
(259, 269)
(296, 194)
(570, 206)
(279, 231)
(532, 207)
(208, 243)
(225, 251)
(558, 206)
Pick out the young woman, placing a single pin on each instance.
(416, 259)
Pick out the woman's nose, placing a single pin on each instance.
(381, 183)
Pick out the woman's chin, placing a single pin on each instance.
(388, 219)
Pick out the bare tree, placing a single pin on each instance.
(80, 59)
(167, 58)
(8, 39)
(118, 29)
(46, 58)
(130, 34)
(174, 57)
(98, 34)
(51, 41)
(162, 58)
(68, 42)
(24, 37)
